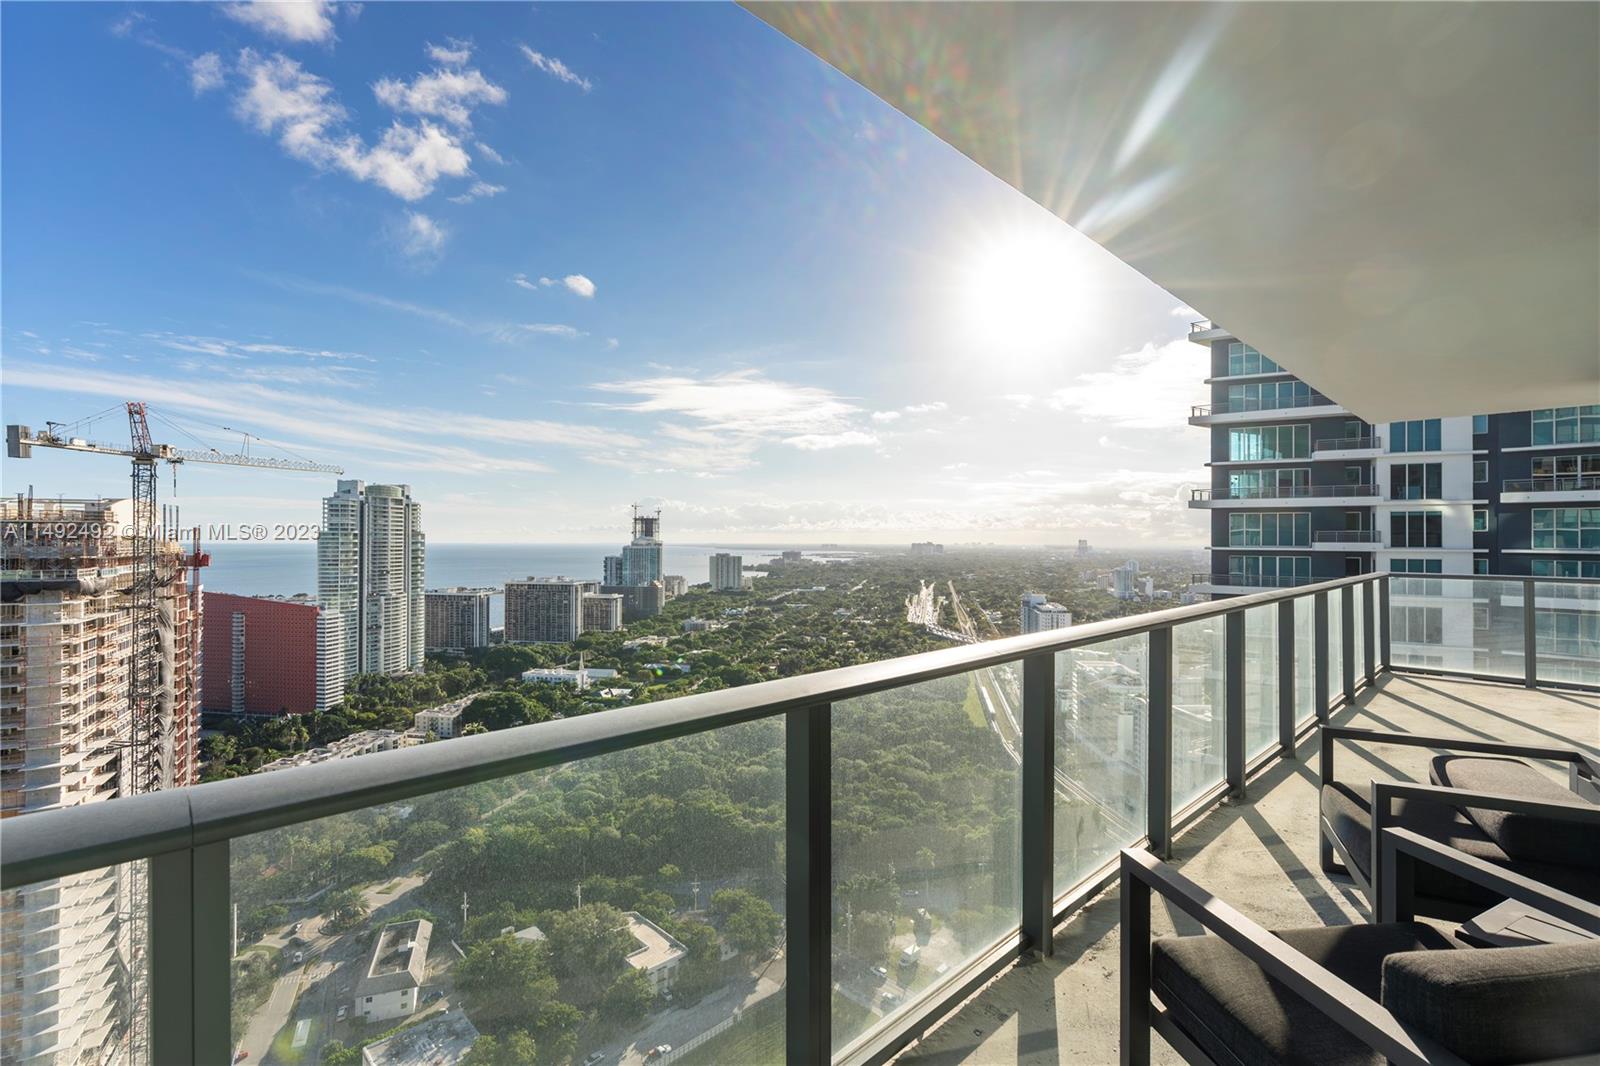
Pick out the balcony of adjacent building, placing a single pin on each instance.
(1367, 446)
(1205, 331)
(978, 883)
(1581, 488)
(1359, 495)
(1238, 411)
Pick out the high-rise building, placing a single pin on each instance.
(67, 945)
(727, 572)
(1124, 580)
(638, 601)
(612, 570)
(641, 559)
(458, 618)
(370, 579)
(927, 547)
(1039, 613)
(544, 610)
(1083, 548)
(1303, 490)
(602, 612)
(675, 585)
(261, 654)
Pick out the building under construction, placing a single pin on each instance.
(72, 949)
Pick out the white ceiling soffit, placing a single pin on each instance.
(1398, 201)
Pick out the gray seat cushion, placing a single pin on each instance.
(1501, 1005)
(1350, 815)
(1239, 1016)
(1527, 837)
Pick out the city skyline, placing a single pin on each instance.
(537, 341)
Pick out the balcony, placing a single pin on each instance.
(1058, 749)
(1217, 414)
(1239, 584)
(1204, 332)
(1287, 495)
(1561, 489)
(1347, 540)
(1369, 447)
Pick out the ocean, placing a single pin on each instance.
(285, 569)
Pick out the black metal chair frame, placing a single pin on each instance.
(1583, 779)
(1144, 875)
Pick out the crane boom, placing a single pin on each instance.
(21, 439)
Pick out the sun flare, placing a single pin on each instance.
(1022, 292)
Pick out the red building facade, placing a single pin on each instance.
(260, 654)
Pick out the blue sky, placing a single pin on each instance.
(544, 261)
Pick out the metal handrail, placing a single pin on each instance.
(1554, 483)
(1315, 399)
(1330, 444)
(1202, 326)
(1346, 536)
(60, 842)
(1287, 492)
(1250, 581)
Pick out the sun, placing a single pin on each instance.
(1022, 292)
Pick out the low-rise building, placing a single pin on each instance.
(658, 953)
(442, 722)
(363, 743)
(582, 677)
(391, 985)
(695, 625)
(441, 1041)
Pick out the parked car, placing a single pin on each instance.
(295, 928)
(343, 1012)
(299, 957)
(657, 1051)
(890, 998)
(594, 1057)
(880, 973)
(437, 993)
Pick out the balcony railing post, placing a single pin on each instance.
(169, 951)
(1319, 640)
(1158, 800)
(1530, 634)
(1369, 630)
(1038, 801)
(213, 953)
(1234, 686)
(808, 830)
(1347, 639)
(188, 946)
(1287, 653)
(1384, 661)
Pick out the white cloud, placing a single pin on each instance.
(555, 68)
(1185, 311)
(573, 283)
(490, 154)
(301, 21)
(205, 72)
(577, 283)
(480, 190)
(449, 95)
(885, 416)
(1151, 388)
(612, 343)
(549, 329)
(816, 442)
(125, 25)
(421, 238)
(281, 98)
(453, 53)
(225, 348)
(926, 408)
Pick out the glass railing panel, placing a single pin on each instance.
(927, 794)
(611, 905)
(1567, 632)
(1260, 679)
(70, 945)
(1335, 646)
(1471, 625)
(1305, 662)
(1102, 744)
(1199, 708)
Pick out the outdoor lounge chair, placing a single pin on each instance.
(1362, 995)
(1488, 804)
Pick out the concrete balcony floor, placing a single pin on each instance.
(1259, 854)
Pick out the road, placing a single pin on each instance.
(677, 1026)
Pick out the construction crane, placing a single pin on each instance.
(146, 745)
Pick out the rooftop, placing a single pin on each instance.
(399, 958)
(657, 947)
(1259, 855)
(444, 1039)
